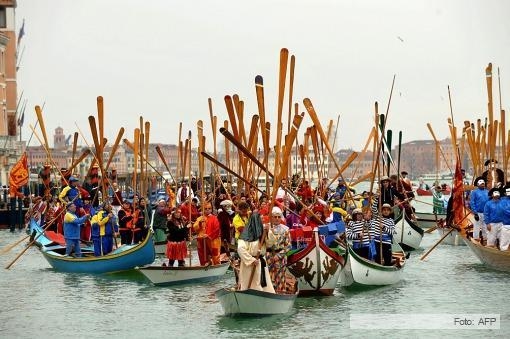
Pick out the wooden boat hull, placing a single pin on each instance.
(252, 302)
(453, 238)
(407, 233)
(316, 268)
(492, 257)
(124, 258)
(163, 275)
(359, 271)
(428, 220)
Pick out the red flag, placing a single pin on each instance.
(18, 176)
(460, 212)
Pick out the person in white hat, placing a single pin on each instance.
(225, 216)
(504, 236)
(276, 257)
(358, 231)
(382, 227)
(477, 200)
(493, 216)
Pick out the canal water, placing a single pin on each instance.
(38, 302)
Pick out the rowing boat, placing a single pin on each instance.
(359, 271)
(407, 233)
(253, 302)
(427, 219)
(492, 257)
(167, 275)
(123, 258)
(453, 238)
(316, 267)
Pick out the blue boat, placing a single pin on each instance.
(125, 257)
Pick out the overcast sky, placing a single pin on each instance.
(162, 59)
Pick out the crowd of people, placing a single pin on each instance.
(490, 203)
(222, 221)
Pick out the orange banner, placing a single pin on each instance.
(18, 176)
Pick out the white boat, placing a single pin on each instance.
(166, 275)
(253, 302)
(316, 267)
(428, 220)
(359, 271)
(160, 247)
(407, 233)
(492, 257)
(453, 238)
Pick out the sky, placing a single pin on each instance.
(162, 59)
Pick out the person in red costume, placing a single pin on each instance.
(208, 232)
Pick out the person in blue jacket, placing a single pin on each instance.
(478, 199)
(72, 228)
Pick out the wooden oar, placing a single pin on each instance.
(432, 229)
(437, 243)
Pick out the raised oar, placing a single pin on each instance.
(75, 144)
(429, 126)
(259, 89)
(316, 121)
(240, 147)
(114, 147)
(162, 157)
(363, 152)
(346, 164)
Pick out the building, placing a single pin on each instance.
(10, 147)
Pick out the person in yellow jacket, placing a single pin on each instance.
(104, 228)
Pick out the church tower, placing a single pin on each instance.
(59, 139)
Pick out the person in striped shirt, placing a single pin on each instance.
(358, 231)
(382, 227)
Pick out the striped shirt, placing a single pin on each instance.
(387, 225)
(358, 232)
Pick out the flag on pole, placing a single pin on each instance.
(18, 176)
(21, 31)
(460, 212)
(21, 119)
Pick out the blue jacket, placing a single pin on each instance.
(72, 225)
(493, 211)
(505, 207)
(478, 199)
(102, 225)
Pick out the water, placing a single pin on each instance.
(40, 303)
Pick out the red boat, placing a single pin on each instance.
(424, 192)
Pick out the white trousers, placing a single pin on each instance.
(479, 225)
(504, 237)
(494, 233)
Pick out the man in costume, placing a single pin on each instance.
(251, 247)
(208, 232)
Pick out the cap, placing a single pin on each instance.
(73, 178)
(480, 182)
(226, 202)
(386, 206)
(404, 173)
(384, 178)
(356, 211)
(276, 210)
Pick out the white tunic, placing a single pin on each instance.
(249, 251)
